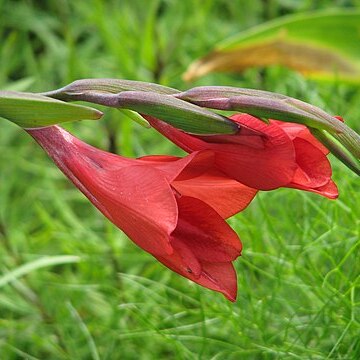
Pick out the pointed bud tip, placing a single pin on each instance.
(29, 110)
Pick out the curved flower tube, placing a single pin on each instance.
(281, 155)
(173, 208)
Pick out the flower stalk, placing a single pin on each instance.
(149, 99)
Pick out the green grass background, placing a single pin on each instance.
(72, 286)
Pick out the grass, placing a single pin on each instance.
(72, 286)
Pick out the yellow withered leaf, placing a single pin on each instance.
(322, 45)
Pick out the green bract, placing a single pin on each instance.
(33, 110)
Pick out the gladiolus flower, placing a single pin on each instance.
(173, 208)
(281, 155)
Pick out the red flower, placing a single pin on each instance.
(282, 155)
(173, 208)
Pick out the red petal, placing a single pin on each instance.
(329, 190)
(267, 167)
(203, 230)
(184, 168)
(142, 204)
(301, 131)
(220, 277)
(226, 196)
(315, 167)
(204, 245)
(184, 258)
(264, 169)
(138, 199)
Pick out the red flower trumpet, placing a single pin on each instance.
(281, 154)
(173, 208)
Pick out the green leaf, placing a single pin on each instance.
(322, 45)
(31, 110)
